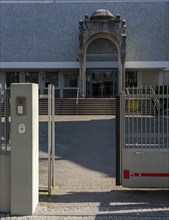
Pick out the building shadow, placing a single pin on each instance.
(119, 202)
(90, 144)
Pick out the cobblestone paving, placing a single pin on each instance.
(83, 218)
(85, 177)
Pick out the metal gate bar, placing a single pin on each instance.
(144, 145)
(51, 138)
(4, 123)
(147, 125)
(0, 122)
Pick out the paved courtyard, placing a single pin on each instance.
(85, 176)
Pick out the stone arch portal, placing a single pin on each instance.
(102, 25)
(103, 47)
(101, 79)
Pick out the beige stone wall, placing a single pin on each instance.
(166, 78)
(150, 77)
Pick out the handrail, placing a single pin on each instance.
(2, 94)
(127, 91)
(77, 97)
(156, 100)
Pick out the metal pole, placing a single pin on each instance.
(49, 140)
(118, 136)
(6, 121)
(163, 106)
(133, 118)
(128, 120)
(53, 136)
(123, 134)
(150, 118)
(123, 78)
(167, 116)
(138, 106)
(159, 127)
(154, 117)
(141, 115)
(0, 122)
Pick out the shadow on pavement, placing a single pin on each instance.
(129, 202)
(90, 144)
(135, 197)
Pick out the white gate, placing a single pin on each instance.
(143, 157)
(49, 145)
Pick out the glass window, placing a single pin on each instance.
(51, 78)
(131, 79)
(12, 78)
(31, 77)
(97, 76)
(71, 81)
(108, 77)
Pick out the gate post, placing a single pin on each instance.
(25, 148)
(118, 141)
(120, 135)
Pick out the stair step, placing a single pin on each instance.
(85, 106)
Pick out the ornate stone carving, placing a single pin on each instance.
(81, 29)
(102, 14)
(103, 22)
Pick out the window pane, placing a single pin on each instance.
(12, 78)
(71, 81)
(108, 76)
(131, 79)
(97, 76)
(31, 77)
(51, 78)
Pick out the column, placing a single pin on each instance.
(61, 83)
(82, 75)
(41, 82)
(22, 77)
(2, 81)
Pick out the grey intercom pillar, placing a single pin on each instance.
(24, 144)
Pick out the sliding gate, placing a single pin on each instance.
(144, 137)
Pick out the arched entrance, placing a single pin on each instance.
(101, 78)
(102, 43)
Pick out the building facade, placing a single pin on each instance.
(98, 47)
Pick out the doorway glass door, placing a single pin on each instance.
(102, 83)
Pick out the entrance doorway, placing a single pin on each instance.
(101, 83)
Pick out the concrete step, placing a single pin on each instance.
(88, 106)
(84, 107)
